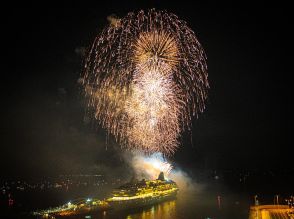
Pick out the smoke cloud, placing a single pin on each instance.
(149, 167)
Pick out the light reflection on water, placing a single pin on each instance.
(165, 210)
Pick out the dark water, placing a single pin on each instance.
(202, 203)
(191, 206)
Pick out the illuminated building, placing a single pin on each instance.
(271, 212)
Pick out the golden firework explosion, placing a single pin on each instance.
(146, 77)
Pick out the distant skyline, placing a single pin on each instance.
(44, 127)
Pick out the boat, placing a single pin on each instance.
(134, 194)
(142, 193)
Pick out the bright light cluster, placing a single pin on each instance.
(152, 194)
(150, 189)
(74, 208)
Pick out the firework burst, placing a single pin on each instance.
(146, 77)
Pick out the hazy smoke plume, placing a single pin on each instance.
(149, 167)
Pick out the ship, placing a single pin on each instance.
(142, 193)
(134, 194)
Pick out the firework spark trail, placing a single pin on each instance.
(146, 77)
(152, 111)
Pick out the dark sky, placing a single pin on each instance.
(246, 124)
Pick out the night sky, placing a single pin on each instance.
(44, 129)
